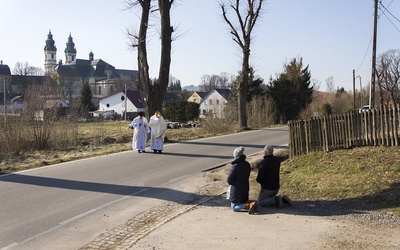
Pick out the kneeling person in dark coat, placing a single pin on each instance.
(238, 178)
(268, 177)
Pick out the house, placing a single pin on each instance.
(214, 102)
(17, 104)
(118, 102)
(197, 97)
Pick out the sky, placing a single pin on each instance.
(333, 37)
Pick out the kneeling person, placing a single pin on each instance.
(238, 179)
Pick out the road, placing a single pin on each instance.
(66, 205)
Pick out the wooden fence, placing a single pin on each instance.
(369, 128)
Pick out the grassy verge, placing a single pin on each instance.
(367, 177)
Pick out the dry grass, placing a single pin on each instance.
(95, 139)
(368, 176)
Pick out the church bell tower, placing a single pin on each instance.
(70, 51)
(50, 54)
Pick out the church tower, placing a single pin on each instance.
(50, 54)
(70, 51)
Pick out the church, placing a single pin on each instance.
(103, 78)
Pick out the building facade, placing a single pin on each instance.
(103, 78)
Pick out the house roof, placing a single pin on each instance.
(135, 97)
(225, 93)
(202, 94)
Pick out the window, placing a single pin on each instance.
(99, 90)
(210, 102)
(217, 101)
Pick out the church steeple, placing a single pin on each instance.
(50, 54)
(70, 51)
(91, 56)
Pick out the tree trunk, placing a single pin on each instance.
(153, 93)
(143, 66)
(243, 86)
(159, 88)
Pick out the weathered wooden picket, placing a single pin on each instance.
(353, 129)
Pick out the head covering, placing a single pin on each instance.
(238, 152)
(269, 149)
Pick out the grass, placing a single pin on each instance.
(368, 175)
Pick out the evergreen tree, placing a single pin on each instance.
(291, 91)
(256, 86)
(181, 110)
(192, 111)
(86, 103)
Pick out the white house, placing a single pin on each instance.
(214, 102)
(131, 103)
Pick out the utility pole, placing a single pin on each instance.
(354, 90)
(373, 66)
(5, 101)
(125, 103)
(361, 92)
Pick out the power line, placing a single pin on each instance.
(384, 13)
(365, 55)
(392, 22)
(380, 2)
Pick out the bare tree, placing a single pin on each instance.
(388, 74)
(330, 84)
(25, 69)
(211, 82)
(247, 14)
(153, 92)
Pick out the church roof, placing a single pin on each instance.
(4, 69)
(70, 48)
(85, 68)
(50, 43)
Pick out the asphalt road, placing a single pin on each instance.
(66, 205)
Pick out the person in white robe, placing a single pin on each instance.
(158, 126)
(140, 128)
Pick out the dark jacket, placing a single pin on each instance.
(238, 178)
(268, 173)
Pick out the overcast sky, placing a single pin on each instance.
(332, 36)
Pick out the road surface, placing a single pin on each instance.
(66, 205)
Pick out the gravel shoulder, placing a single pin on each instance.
(204, 221)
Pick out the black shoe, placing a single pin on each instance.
(138, 151)
(159, 151)
(154, 151)
(278, 201)
(287, 200)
